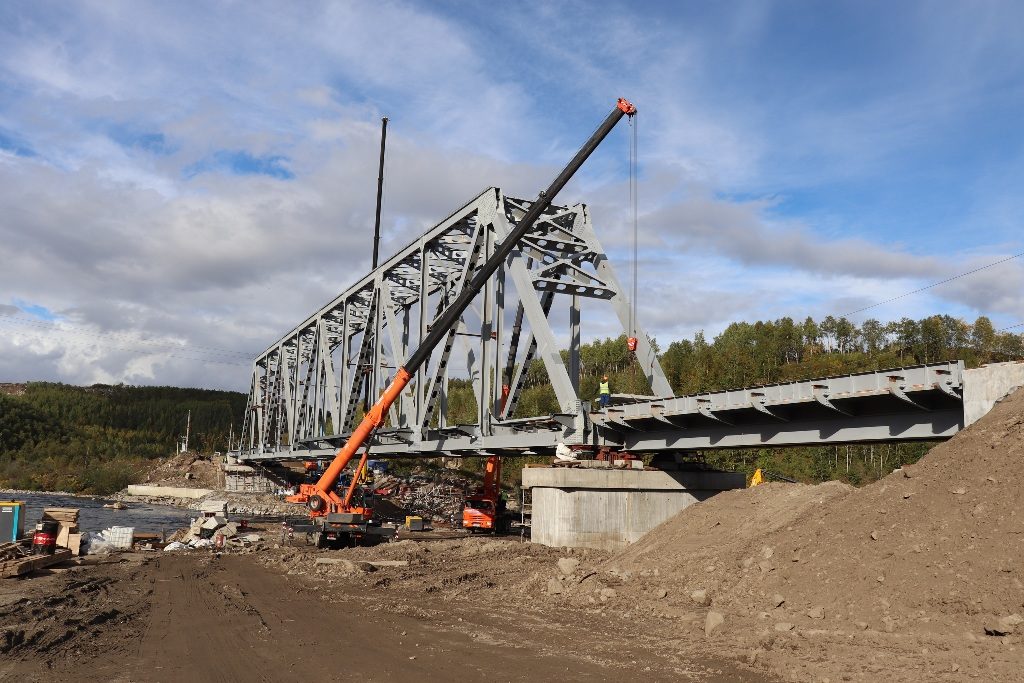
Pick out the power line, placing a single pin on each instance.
(934, 284)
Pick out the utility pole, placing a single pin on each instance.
(367, 400)
(188, 428)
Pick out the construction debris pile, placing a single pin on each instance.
(213, 530)
(439, 498)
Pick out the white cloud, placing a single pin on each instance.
(119, 242)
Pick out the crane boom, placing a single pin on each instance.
(321, 497)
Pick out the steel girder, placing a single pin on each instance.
(307, 389)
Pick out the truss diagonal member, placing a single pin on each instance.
(545, 338)
(363, 359)
(821, 395)
(397, 350)
(289, 385)
(330, 384)
(433, 393)
(757, 403)
(522, 369)
(304, 406)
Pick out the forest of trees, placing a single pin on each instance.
(98, 439)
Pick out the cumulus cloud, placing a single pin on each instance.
(182, 185)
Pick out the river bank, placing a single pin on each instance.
(93, 517)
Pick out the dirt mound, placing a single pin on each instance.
(732, 525)
(186, 470)
(924, 562)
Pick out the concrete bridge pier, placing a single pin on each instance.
(608, 508)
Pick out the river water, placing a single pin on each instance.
(94, 517)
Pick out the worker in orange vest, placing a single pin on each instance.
(605, 393)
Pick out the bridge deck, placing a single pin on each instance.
(923, 402)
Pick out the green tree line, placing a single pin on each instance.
(98, 439)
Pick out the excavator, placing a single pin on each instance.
(484, 510)
(339, 518)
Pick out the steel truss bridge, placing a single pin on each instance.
(307, 388)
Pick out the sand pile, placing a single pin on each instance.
(926, 560)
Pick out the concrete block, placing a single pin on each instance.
(166, 491)
(608, 509)
(210, 508)
(985, 385)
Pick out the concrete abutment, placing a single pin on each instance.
(608, 508)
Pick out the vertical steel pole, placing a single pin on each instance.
(380, 189)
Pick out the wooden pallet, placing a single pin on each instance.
(11, 551)
(24, 565)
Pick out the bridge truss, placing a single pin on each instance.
(307, 389)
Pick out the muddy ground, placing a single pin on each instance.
(264, 617)
(917, 577)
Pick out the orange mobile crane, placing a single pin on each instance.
(484, 509)
(337, 518)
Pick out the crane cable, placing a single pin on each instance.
(636, 230)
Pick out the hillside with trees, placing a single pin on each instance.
(98, 439)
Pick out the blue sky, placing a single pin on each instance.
(195, 176)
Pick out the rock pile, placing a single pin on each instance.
(214, 532)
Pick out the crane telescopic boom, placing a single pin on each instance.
(321, 497)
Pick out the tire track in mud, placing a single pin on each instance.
(202, 618)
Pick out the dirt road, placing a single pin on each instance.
(200, 618)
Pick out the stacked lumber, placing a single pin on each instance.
(69, 536)
(30, 563)
(62, 515)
